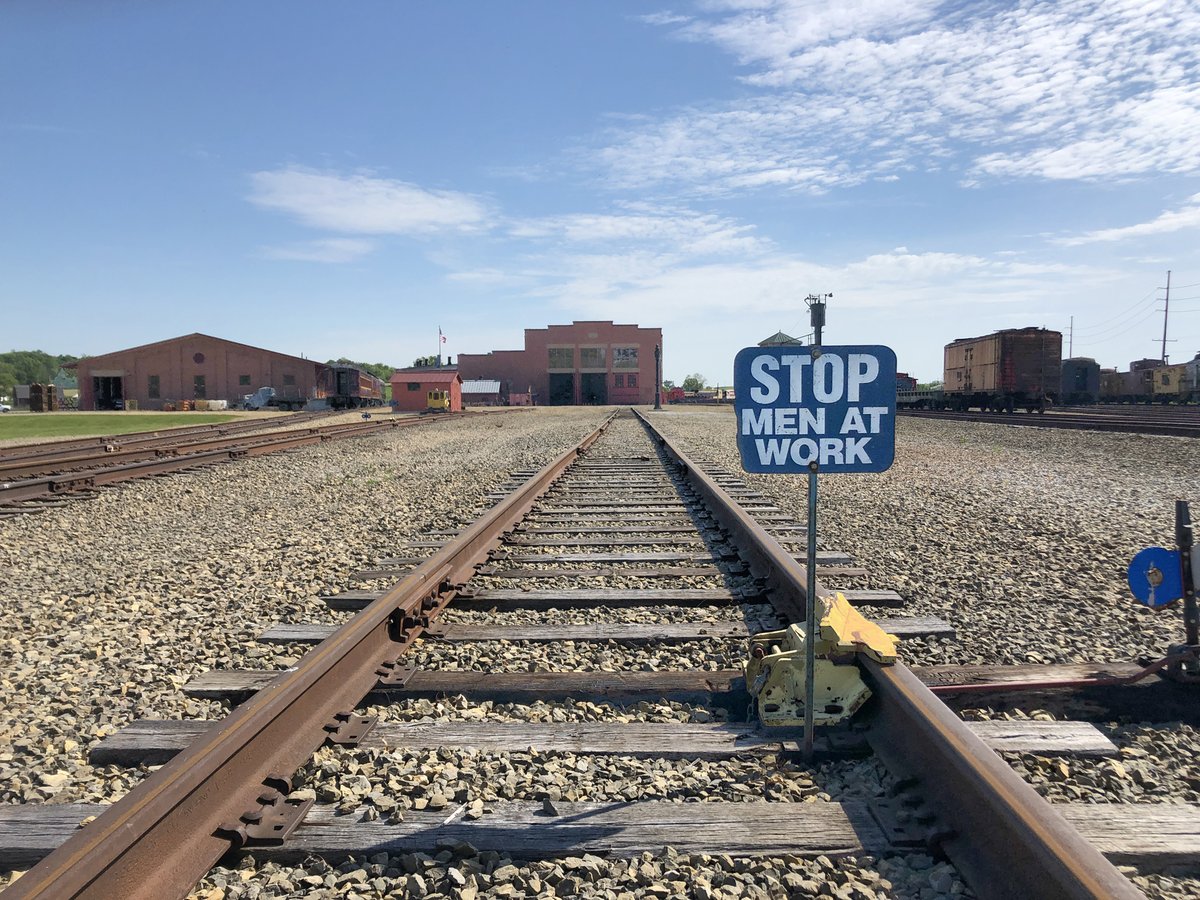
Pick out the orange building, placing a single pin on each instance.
(411, 387)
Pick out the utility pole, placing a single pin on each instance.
(1166, 311)
(658, 376)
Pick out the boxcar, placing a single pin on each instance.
(1080, 380)
(348, 387)
(1016, 367)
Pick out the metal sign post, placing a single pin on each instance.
(811, 410)
(810, 609)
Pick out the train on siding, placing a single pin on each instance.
(1150, 381)
(349, 387)
(1023, 368)
(1016, 367)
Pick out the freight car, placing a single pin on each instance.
(348, 387)
(1134, 386)
(1016, 367)
(1080, 380)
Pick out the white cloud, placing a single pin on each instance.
(1176, 220)
(328, 250)
(668, 230)
(363, 204)
(1075, 89)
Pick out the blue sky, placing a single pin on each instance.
(342, 179)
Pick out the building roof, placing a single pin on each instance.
(426, 376)
(89, 361)
(779, 339)
(481, 386)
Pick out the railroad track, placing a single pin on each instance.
(29, 481)
(712, 562)
(1176, 426)
(162, 437)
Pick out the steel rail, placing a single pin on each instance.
(1077, 421)
(1006, 840)
(98, 456)
(50, 449)
(234, 448)
(162, 837)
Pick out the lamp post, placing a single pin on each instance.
(657, 376)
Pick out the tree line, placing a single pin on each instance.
(30, 366)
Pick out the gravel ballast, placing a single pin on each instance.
(114, 603)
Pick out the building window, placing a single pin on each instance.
(152, 387)
(244, 380)
(625, 357)
(591, 357)
(199, 391)
(619, 380)
(289, 380)
(562, 357)
(631, 380)
(414, 385)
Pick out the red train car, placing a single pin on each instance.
(348, 387)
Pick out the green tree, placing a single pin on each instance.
(29, 366)
(694, 382)
(668, 384)
(929, 385)
(425, 361)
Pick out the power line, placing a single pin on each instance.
(1102, 325)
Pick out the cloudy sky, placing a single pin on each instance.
(342, 179)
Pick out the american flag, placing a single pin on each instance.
(441, 337)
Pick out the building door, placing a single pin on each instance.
(593, 388)
(108, 391)
(562, 389)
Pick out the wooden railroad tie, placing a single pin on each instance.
(514, 599)
(153, 742)
(636, 633)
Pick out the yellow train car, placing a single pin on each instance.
(438, 401)
(1171, 383)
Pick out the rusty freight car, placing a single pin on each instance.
(1016, 367)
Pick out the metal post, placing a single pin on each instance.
(657, 376)
(810, 603)
(1185, 540)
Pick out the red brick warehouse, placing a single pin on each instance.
(582, 363)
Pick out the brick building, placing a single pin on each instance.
(192, 367)
(581, 363)
(411, 387)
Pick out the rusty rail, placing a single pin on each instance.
(1005, 839)
(163, 836)
(191, 455)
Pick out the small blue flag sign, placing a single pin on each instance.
(1156, 577)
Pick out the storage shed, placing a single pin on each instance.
(411, 387)
(482, 392)
(189, 368)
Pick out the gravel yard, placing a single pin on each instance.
(1018, 537)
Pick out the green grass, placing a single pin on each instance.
(15, 426)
